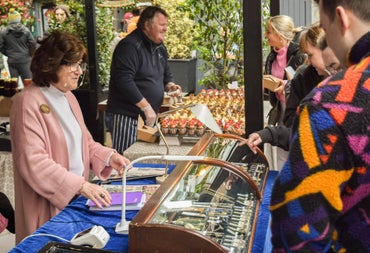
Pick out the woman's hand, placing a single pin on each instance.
(97, 194)
(280, 91)
(118, 162)
(253, 141)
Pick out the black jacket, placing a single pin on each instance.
(303, 82)
(139, 69)
(295, 58)
(17, 43)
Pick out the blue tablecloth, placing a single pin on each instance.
(77, 217)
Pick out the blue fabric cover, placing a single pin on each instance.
(262, 237)
(76, 217)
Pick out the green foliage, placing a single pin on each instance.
(179, 38)
(76, 24)
(218, 39)
(23, 7)
(265, 17)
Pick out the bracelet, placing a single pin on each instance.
(146, 108)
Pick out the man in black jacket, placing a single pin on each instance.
(18, 44)
(139, 76)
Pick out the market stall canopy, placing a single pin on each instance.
(116, 4)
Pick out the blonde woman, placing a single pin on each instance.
(280, 33)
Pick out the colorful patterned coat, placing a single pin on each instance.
(321, 199)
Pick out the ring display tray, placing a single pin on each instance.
(58, 247)
(178, 140)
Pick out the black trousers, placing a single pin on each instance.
(7, 211)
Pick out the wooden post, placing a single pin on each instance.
(252, 23)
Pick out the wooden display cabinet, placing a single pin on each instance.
(204, 206)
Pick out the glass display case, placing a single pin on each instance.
(209, 205)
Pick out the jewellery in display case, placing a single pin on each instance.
(209, 204)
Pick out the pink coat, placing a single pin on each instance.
(43, 183)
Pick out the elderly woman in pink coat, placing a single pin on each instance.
(52, 149)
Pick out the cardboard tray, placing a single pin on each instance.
(270, 82)
(5, 106)
(146, 133)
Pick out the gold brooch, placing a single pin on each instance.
(44, 108)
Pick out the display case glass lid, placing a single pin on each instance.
(215, 201)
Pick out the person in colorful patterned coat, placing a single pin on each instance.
(321, 199)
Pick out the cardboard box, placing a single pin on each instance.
(5, 105)
(270, 82)
(146, 133)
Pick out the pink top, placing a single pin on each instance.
(278, 66)
(3, 223)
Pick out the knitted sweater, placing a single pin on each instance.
(321, 200)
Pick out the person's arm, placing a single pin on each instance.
(292, 101)
(275, 135)
(169, 84)
(168, 77)
(31, 42)
(306, 197)
(150, 115)
(125, 64)
(303, 82)
(99, 158)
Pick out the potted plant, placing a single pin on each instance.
(218, 37)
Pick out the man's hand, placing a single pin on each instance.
(150, 115)
(173, 89)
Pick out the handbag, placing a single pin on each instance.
(274, 115)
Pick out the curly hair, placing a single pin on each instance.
(148, 15)
(56, 48)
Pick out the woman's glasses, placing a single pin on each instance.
(73, 66)
(333, 68)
